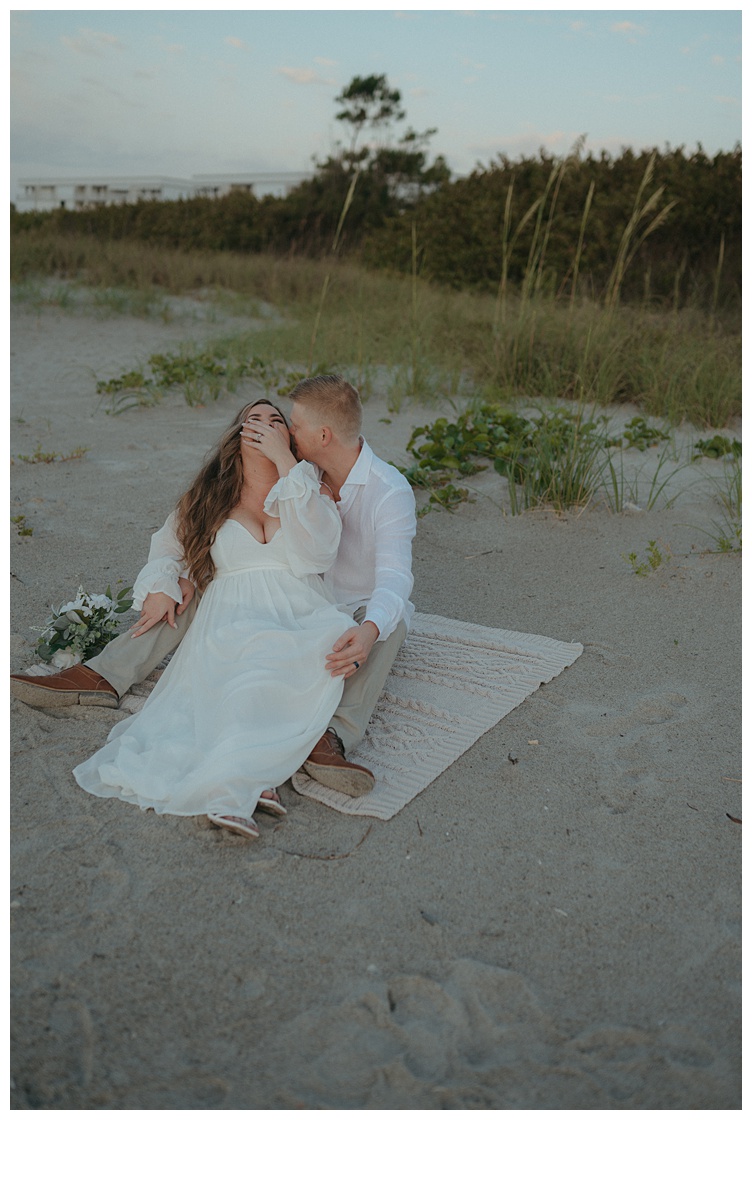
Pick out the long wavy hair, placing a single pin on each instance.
(214, 493)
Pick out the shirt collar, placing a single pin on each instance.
(361, 467)
(357, 478)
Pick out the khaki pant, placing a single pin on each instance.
(127, 660)
(362, 690)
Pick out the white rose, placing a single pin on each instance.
(101, 601)
(65, 658)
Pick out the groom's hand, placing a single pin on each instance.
(157, 606)
(353, 647)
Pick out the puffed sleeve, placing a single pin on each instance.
(164, 567)
(310, 521)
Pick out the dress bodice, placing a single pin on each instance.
(236, 549)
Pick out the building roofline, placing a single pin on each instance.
(80, 180)
(219, 177)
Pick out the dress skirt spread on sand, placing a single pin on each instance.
(246, 695)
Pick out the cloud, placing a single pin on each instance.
(326, 62)
(304, 75)
(718, 60)
(419, 92)
(576, 26)
(726, 100)
(238, 43)
(468, 62)
(627, 27)
(90, 41)
(629, 30)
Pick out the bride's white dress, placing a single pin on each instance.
(246, 695)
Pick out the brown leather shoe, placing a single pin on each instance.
(327, 764)
(74, 685)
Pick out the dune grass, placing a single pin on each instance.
(426, 341)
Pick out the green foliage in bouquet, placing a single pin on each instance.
(81, 628)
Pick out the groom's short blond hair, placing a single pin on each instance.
(332, 401)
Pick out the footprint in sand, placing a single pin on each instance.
(481, 1039)
(110, 886)
(653, 709)
(56, 1066)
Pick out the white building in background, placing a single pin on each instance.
(260, 183)
(42, 195)
(45, 194)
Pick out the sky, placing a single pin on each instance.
(180, 92)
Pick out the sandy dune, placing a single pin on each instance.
(562, 933)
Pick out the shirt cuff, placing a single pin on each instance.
(380, 618)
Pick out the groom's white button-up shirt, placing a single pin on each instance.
(373, 564)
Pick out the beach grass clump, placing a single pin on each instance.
(725, 533)
(555, 463)
(121, 268)
(561, 458)
(641, 489)
(551, 459)
(429, 341)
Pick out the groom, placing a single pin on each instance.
(371, 580)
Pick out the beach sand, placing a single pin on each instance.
(558, 933)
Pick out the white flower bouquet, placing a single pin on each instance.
(81, 628)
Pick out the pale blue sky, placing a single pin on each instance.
(182, 92)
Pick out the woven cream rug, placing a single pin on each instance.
(450, 683)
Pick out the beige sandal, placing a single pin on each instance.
(245, 826)
(270, 802)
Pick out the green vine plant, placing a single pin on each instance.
(638, 435)
(203, 377)
(718, 447)
(654, 558)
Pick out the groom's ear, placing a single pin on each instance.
(325, 435)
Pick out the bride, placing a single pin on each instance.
(247, 694)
